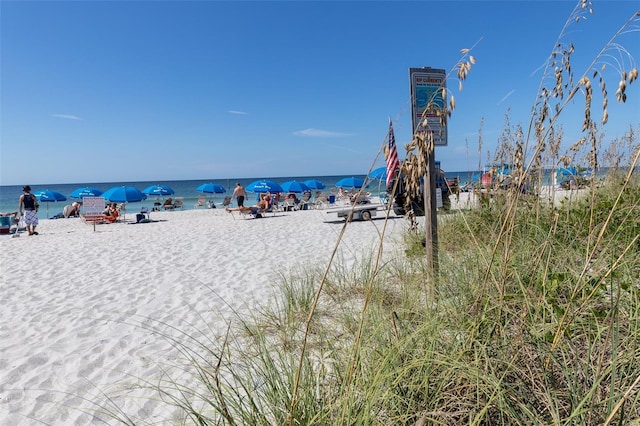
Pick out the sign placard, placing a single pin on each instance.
(93, 206)
(426, 87)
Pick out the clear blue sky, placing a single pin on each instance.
(95, 91)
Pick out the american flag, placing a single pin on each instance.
(392, 156)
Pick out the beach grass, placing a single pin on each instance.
(533, 316)
(534, 323)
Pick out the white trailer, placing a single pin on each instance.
(359, 212)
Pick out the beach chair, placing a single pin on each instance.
(274, 205)
(143, 215)
(227, 201)
(168, 204)
(259, 213)
(97, 218)
(178, 203)
(202, 202)
(289, 204)
(305, 201)
(361, 198)
(322, 200)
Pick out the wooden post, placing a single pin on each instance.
(431, 214)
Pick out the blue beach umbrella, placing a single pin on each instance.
(350, 182)
(294, 186)
(49, 196)
(314, 184)
(158, 190)
(87, 191)
(211, 188)
(124, 194)
(263, 186)
(379, 173)
(568, 171)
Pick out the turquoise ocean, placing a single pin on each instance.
(183, 188)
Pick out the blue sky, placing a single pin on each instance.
(95, 91)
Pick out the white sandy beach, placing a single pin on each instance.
(77, 303)
(71, 298)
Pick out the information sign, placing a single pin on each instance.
(426, 87)
(93, 206)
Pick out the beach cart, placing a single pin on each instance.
(358, 212)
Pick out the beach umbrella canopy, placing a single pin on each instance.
(379, 173)
(124, 194)
(263, 186)
(87, 191)
(314, 184)
(294, 186)
(49, 196)
(159, 190)
(568, 171)
(350, 182)
(211, 188)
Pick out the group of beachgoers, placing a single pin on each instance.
(267, 200)
(28, 206)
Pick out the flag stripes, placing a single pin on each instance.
(392, 158)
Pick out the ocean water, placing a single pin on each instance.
(9, 195)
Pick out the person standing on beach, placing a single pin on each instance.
(28, 206)
(239, 194)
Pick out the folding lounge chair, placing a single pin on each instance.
(168, 204)
(322, 200)
(305, 201)
(202, 201)
(178, 203)
(258, 213)
(289, 205)
(227, 201)
(93, 218)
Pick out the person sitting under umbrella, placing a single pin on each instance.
(292, 196)
(168, 204)
(71, 210)
(342, 194)
(111, 213)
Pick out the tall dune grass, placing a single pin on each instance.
(534, 318)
